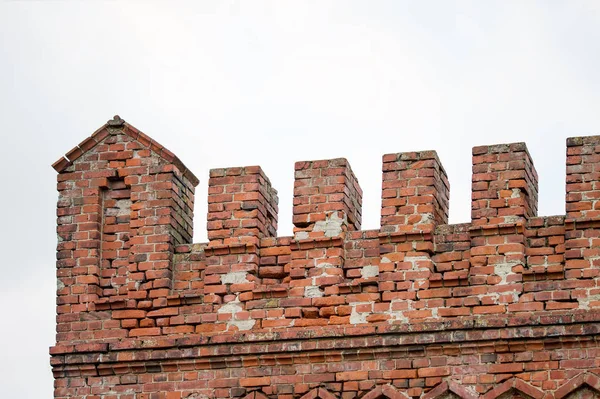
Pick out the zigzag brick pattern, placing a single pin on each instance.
(507, 305)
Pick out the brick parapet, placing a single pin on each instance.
(133, 287)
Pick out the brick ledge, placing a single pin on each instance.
(575, 323)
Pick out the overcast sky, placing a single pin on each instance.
(241, 83)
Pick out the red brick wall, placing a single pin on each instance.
(505, 306)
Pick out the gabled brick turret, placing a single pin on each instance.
(504, 306)
(125, 202)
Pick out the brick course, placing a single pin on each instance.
(506, 306)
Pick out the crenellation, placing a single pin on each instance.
(504, 184)
(508, 303)
(242, 203)
(415, 192)
(583, 177)
(327, 198)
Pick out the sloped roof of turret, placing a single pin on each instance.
(100, 134)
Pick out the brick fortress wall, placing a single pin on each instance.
(507, 305)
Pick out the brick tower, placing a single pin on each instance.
(506, 306)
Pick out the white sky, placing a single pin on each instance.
(241, 83)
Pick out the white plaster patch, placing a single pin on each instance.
(515, 295)
(234, 307)
(516, 193)
(301, 235)
(324, 265)
(359, 317)
(426, 218)
(494, 296)
(234, 278)
(584, 302)
(369, 271)
(332, 225)
(123, 207)
(59, 285)
(231, 307)
(242, 325)
(312, 291)
(414, 260)
(503, 270)
(511, 219)
(398, 315)
(385, 260)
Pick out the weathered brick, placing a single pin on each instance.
(505, 303)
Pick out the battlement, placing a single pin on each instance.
(130, 277)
